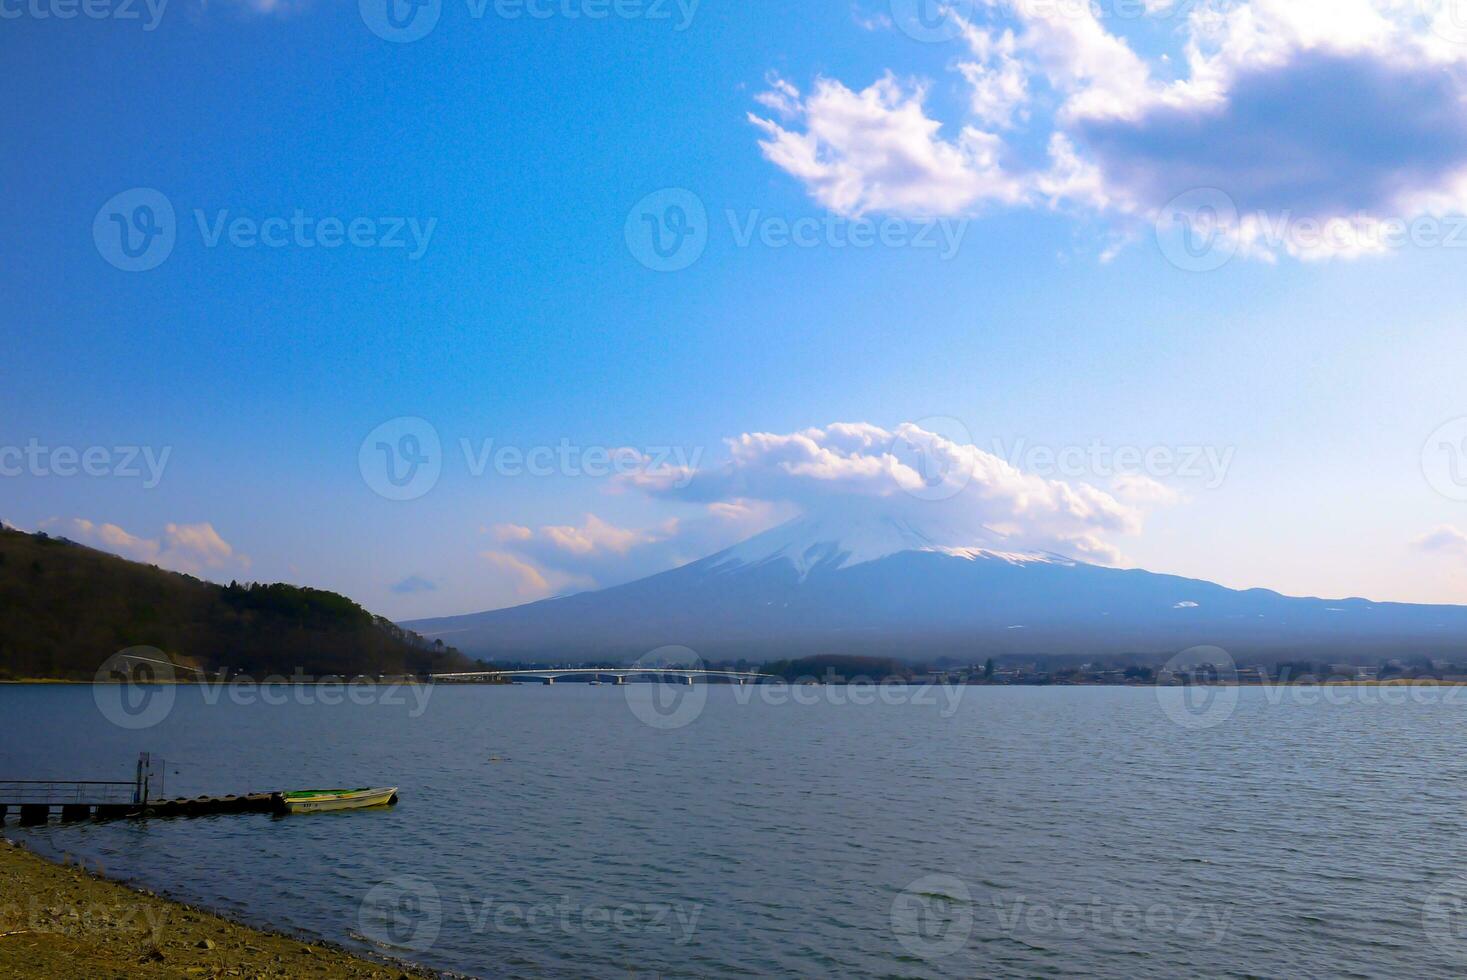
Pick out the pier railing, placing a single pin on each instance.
(66, 792)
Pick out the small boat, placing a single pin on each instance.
(318, 800)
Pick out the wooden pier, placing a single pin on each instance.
(28, 800)
(34, 800)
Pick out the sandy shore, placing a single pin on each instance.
(60, 921)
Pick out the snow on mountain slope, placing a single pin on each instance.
(835, 543)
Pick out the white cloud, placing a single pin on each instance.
(957, 494)
(1318, 119)
(878, 150)
(196, 549)
(948, 491)
(527, 581)
(1098, 72)
(1444, 540)
(1137, 488)
(871, 21)
(999, 83)
(596, 553)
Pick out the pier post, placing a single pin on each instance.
(549, 681)
(32, 814)
(3, 810)
(688, 681)
(619, 679)
(75, 811)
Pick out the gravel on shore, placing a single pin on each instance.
(62, 921)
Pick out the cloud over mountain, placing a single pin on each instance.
(947, 489)
(961, 494)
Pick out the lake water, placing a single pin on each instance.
(552, 831)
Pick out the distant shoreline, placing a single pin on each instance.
(196, 682)
(819, 682)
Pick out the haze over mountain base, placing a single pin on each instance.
(884, 587)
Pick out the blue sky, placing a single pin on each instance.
(525, 150)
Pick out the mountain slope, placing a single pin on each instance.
(885, 588)
(65, 608)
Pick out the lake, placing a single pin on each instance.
(583, 830)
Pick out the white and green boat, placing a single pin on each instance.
(319, 800)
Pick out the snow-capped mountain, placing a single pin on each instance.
(884, 586)
(828, 543)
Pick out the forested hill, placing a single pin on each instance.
(65, 608)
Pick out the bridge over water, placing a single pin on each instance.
(617, 675)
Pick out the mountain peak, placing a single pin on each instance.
(840, 541)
